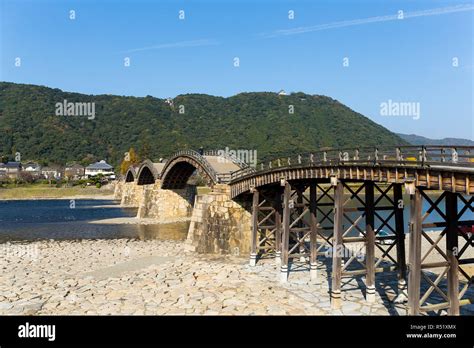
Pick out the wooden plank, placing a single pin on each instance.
(451, 201)
(370, 241)
(414, 274)
(278, 229)
(255, 210)
(314, 232)
(337, 245)
(400, 241)
(286, 233)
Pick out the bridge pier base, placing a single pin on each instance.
(166, 205)
(131, 194)
(220, 225)
(118, 190)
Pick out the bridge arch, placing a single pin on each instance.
(147, 173)
(131, 174)
(179, 168)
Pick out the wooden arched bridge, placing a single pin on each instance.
(320, 205)
(176, 171)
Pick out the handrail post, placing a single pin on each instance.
(454, 155)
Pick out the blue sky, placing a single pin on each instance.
(403, 60)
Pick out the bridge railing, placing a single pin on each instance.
(419, 156)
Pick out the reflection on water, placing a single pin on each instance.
(171, 231)
(55, 219)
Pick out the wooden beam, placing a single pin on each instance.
(337, 247)
(451, 202)
(414, 274)
(400, 240)
(370, 241)
(278, 225)
(286, 233)
(300, 209)
(314, 233)
(255, 210)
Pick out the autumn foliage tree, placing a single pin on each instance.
(130, 159)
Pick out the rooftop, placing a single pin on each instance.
(10, 165)
(100, 165)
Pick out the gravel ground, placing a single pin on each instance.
(156, 277)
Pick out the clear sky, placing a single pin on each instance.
(423, 54)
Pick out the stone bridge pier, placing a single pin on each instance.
(166, 205)
(131, 194)
(219, 224)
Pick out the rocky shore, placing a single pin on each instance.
(156, 277)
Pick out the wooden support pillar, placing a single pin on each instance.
(253, 251)
(337, 246)
(300, 210)
(451, 251)
(414, 271)
(286, 233)
(370, 241)
(313, 261)
(400, 243)
(278, 228)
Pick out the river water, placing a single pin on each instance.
(61, 220)
(58, 219)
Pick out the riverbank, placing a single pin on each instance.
(139, 221)
(38, 192)
(124, 276)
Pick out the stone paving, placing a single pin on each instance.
(156, 277)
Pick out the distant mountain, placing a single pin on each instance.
(272, 124)
(419, 140)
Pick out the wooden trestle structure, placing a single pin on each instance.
(308, 213)
(317, 206)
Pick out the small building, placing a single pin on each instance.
(52, 172)
(33, 168)
(10, 169)
(282, 92)
(100, 167)
(74, 172)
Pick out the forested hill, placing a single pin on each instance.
(419, 140)
(261, 121)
